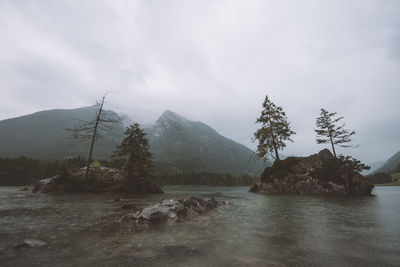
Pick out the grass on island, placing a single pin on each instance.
(396, 179)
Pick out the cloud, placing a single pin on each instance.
(212, 61)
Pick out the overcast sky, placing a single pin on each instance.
(212, 61)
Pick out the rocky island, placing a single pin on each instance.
(320, 173)
(101, 180)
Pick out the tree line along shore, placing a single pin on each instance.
(133, 158)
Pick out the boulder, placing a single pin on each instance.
(172, 209)
(46, 185)
(320, 173)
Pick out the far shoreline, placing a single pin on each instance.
(389, 184)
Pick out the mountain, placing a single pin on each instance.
(374, 166)
(43, 135)
(180, 145)
(390, 164)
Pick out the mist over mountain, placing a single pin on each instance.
(374, 166)
(43, 135)
(390, 164)
(179, 145)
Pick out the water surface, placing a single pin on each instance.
(255, 230)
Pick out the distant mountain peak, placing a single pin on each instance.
(169, 115)
(182, 145)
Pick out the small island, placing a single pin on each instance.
(101, 179)
(320, 173)
(132, 172)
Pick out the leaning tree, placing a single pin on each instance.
(91, 130)
(330, 132)
(274, 132)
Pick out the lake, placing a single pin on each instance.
(255, 230)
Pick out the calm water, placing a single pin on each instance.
(256, 230)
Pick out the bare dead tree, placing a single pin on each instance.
(90, 130)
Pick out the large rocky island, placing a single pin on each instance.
(320, 173)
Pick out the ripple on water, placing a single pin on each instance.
(255, 230)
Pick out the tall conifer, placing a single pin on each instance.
(274, 132)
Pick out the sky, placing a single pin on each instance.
(211, 61)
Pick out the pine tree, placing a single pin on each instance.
(274, 132)
(329, 132)
(134, 155)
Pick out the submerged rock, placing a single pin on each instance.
(31, 243)
(317, 174)
(172, 209)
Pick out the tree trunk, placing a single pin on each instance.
(333, 147)
(90, 155)
(129, 167)
(273, 141)
(94, 138)
(275, 148)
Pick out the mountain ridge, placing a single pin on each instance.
(43, 134)
(179, 145)
(390, 164)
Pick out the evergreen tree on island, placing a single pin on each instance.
(134, 155)
(329, 132)
(274, 132)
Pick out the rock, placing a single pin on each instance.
(337, 188)
(30, 243)
(159, 212)
(171, 209)
(46, 185)
(321, 173)
(101, 173)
